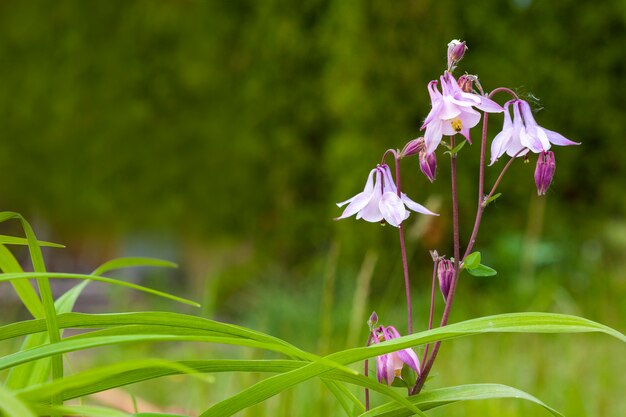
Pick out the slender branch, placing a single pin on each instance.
(366, 373)
(432, 309)
(446, 313)
(481, 173)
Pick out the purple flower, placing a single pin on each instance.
(428, 165)
(452, 112)
(389, 366)
(445, 273)
(544, 171)
(379, 200)
(522, 134)
(456, 50)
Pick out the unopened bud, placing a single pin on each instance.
(544, 171)
(466, 82)
(445, 273)
(373, 320)
(413, 147)
(428, 165)
(456, 50)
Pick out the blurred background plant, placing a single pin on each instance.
(220, 134)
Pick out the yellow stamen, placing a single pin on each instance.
(398, 372)
(457, 124)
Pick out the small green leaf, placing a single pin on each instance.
(491, 199)
(472, 260)
(482, 271)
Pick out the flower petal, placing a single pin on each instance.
(489, 106)
(558, 139)
(392, 208)
(433, 135)
(500, 144)
(409, 357)
(418, 208)
(357, 203)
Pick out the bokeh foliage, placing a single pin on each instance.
(247, 120)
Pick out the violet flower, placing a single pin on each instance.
(379, 200)
(544, 171)
(428, 165)
(389, 365)
(452, 112)
(445, 273)
(522, 134)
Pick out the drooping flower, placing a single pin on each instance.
(453, 111)
(389, 365)
(544, 171)
(379, 200)
(522, 134)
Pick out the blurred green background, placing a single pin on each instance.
(220, 134)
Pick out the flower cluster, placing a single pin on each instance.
(380, 200)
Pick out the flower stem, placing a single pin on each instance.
(432, 309)
(366, 373)
(446, 312)
(405, 264)
(481, 174)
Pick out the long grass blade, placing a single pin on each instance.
(11, 406)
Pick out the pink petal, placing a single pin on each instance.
(357, 203)
(392, 209)
(409, 357)
(432, 136)
(489, 106)
(500, 144)
(418, 208)
(558, 139)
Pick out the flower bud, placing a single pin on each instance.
(544, 171)
(413, 147)
(466, 82)
(445, 273)
(428, 165)
(373, 320)
(456, 50)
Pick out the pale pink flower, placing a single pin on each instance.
(389, 366)
(379, 200)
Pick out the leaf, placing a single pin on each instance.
(514, 322)
(58, 275)
(436, 398)
(121, 263)
(491, 199)
(14, 240)
(472, 260)
(482, 271)
(11, 406)
(456, 149)
(81, 410)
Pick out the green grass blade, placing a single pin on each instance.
(11, 406)
(515, 322)
(334, 389)
(23, 287)
(80, 410)
(130, 372)
(59, 275)
(44, 290)
(439, 397)
(14, 240)
(121, 263)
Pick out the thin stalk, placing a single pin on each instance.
(432, 309)
(446, 313)
(405, 264)
(481, 173)
(366, 373)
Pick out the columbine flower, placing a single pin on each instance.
(389, 366)
(523, 134)
(379, 200)
(452, 111)
(544, 171)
